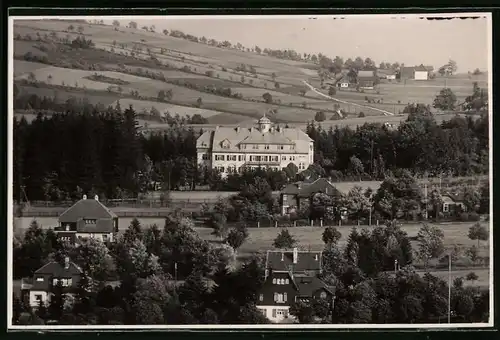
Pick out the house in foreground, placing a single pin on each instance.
(87, 218)
(294, 195)
(291, 276)
(39, 289)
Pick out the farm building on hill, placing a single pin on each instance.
(233, 149)
(366, 79)
(421, 73)
(416, 72)
(386, 74)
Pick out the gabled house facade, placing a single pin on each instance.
(291, 276)
(39, 289)
(295, 195)
(87, 218)
(453, 204)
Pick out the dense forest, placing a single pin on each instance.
(100, 151)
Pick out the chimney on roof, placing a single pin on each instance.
(84, 197)
(96, 198)
(295, 255)
(66, 262)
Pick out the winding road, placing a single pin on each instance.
(386, 113)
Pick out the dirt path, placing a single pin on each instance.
(386, 113)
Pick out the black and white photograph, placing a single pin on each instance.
(250, 172)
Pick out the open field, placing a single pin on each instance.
(145, 106)
(222, 62)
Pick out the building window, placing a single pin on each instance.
(219, 157)
(38, 297)
(261, 297)
(310, 147)
(287, 281)
(281, 147)
(274, 281)
(220, 168)
(54, 282)
(89, 221)
(445, 207)
(255, 146)
(274, 313)
(292, 158)
(292, 147)
(283, 158)
(266, 147)
(240, 158)
(205, 157)
(105, 238)
(233, 157)
(323, 295)
(279, 297)
(39, 279)
(285, 297)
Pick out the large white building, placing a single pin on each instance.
(232, 149)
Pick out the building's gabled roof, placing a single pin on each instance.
(421, 68)
(306, 261)
(429, 68)
(323, 185)
(272, 137)
(387, 72)
(57, 269)
(86, 209)
(102, 226)
(366, 74)
(307, 285)
(454, 197)
(240, 135)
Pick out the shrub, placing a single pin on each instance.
(361, 114)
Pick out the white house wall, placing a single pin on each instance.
(420, 75)
(267, 311)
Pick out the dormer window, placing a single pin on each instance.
(225, 144)
(89, 221)
(39, 279)
(255, 146)
(266, 147)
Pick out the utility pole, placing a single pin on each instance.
(449, 288)
(426, 201)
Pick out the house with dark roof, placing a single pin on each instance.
(366, 79)
(87, 218)
(291, 276)
(39, 289)
(388, 74)
(294, 195)
(453, 203)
